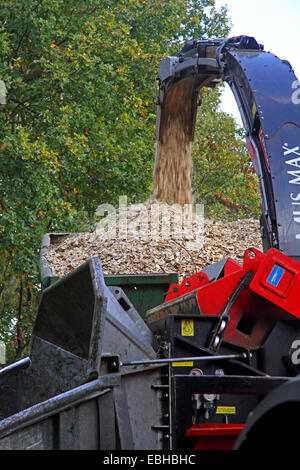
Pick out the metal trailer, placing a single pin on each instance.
(70, 393)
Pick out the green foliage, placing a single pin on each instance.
(78, 128)
(224, 179)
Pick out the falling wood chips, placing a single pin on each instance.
(142, 253)
(173, 160)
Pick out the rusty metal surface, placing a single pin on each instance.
(115, 411)
(72, 312)
(58, 404)
(39, 436)
(186, 304)
(53, 371)
(144, 408)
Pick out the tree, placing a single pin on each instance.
(224, 179)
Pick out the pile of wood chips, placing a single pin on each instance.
(144, 251)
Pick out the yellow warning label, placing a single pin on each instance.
(183, 364)
(226, 410)
(187, 327)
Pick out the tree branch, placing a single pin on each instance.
(19, 319)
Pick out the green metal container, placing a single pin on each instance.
(145, 291)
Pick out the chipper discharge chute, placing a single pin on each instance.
(263, 86)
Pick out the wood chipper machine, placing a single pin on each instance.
(213, 366)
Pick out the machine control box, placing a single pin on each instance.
(278, 280)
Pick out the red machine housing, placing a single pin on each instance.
(272, 293)
(211, 436)
(254, 296)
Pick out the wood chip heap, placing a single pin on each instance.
(141, 250)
